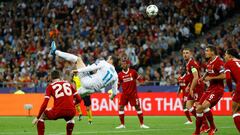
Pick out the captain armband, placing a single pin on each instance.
(194, 70)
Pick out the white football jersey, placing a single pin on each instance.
(105, 75)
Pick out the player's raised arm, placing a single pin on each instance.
(89, 68)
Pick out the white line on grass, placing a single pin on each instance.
(112, 131)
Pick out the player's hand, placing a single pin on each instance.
(200, 80)
(35, 121)
(74, 71)
(207, 78)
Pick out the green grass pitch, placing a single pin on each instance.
(105, 125)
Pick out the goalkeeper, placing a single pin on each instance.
(86, 100)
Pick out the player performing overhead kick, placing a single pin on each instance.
(104, 76)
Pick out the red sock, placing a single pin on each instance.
(199, 120)
(40, 127)
(193, 111)
(187, 115)
(236, 118)
(69, 127)
(140, 117)
(121, 116)
(209, 116)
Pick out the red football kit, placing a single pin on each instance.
(63, 94)
(232, 70)
(199, 89)
(183, 82)
(216, 88)
(129, 87)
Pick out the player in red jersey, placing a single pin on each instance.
(128, 78)
(232, 70)
(196, 89)
(183, 82)
(64, 96)
(214, 92)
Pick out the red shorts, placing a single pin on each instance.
(236, 95)
(197, 93)
(66, 114)
(212, 95)
(133, 99)
(185, 97)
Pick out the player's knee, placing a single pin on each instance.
(189, 105)
(71, 121)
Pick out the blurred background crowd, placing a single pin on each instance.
(98, 28)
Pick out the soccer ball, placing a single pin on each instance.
(152, 10)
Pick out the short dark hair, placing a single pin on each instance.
(233, 52)
(55, 74)
(212, 49)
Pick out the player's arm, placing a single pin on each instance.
(229, 80)
(179, 90)
(228, 77)
(140, 79)
(45, 102)
(195, 79)
(221, 76)
(88, 68)
(43, 107)
(76, 96)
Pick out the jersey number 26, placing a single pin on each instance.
(61, 90)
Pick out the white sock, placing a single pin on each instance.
(67, 56)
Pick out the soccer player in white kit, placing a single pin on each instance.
(104, 76)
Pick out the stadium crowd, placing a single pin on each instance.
(98, 28)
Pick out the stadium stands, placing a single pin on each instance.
(95, 29)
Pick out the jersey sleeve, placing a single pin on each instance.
(90, 68)
(193, 67)
(219, 67)
(228, 76)
(138, 77)
(48, 92)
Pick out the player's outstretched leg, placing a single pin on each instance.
(40, 127)
(64, 55)
(70, 126)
